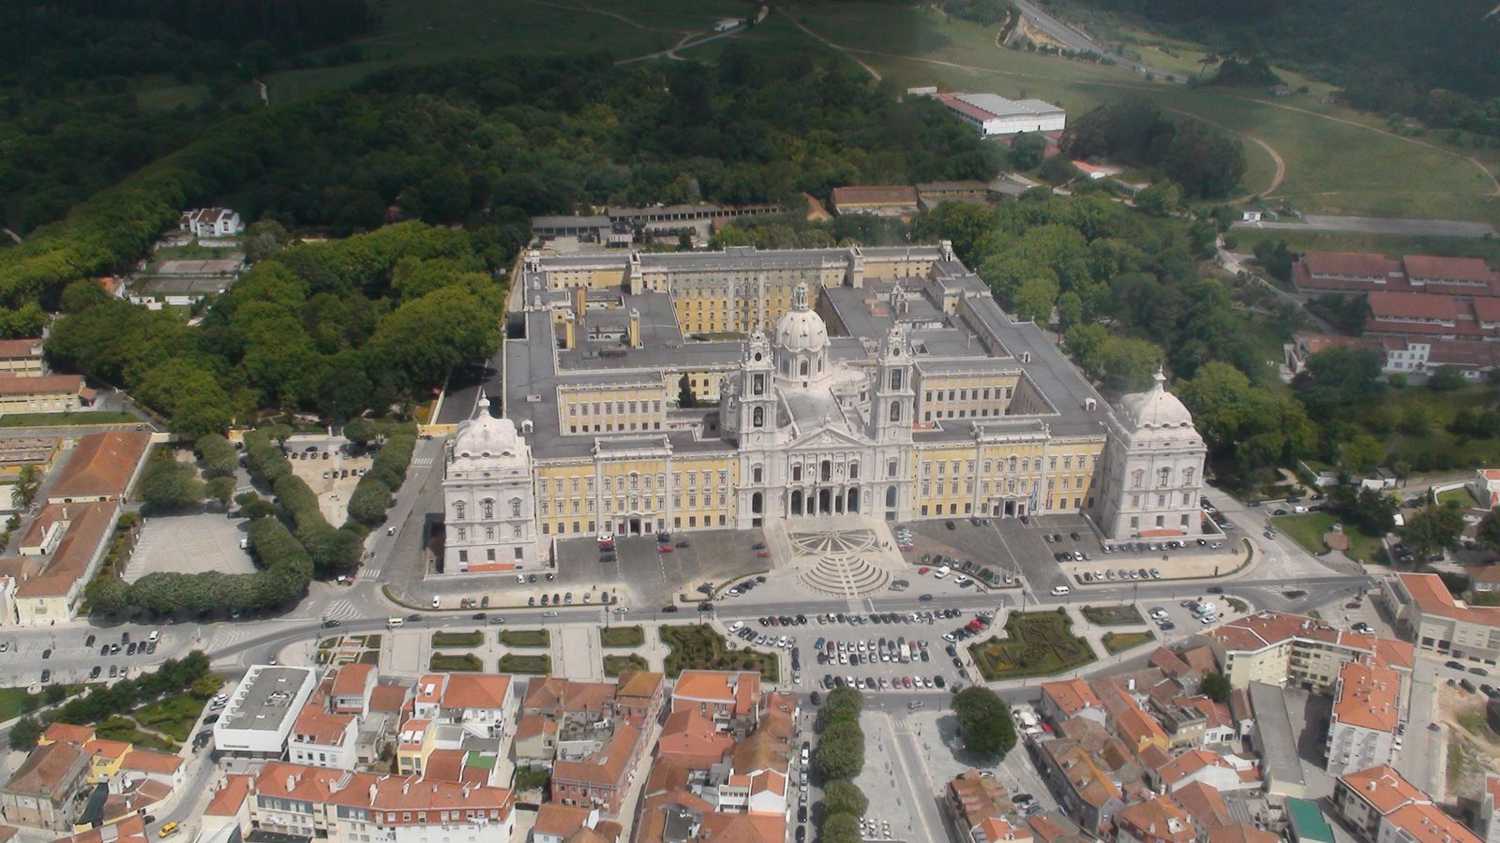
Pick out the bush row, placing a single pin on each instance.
(372, 497)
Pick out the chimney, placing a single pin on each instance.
(373, 791)
(570, 330)
(291, 782)
(580, 301)
(635, 328)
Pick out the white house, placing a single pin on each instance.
(211, 222)
(320, 738)
(483, 704)
(1486, 487)
(262, 710)
(1366, 709)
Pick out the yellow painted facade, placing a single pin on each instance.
(643, 495)
(976, 396)
(1054, 476)
(629, 408)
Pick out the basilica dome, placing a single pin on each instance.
(485, 437)
(801, 330)
(1156, 409)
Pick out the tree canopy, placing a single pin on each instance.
(984, 721)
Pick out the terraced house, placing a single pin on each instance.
(652, 392)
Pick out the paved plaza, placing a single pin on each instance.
(189, 544)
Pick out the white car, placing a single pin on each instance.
(1158, 613)
(735, 627)
(1060, 590)
(437, 603)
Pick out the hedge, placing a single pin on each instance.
(333, 551)
(372, 496)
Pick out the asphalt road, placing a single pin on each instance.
(1379, 225)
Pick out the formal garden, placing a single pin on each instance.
(1036, 644)
(1119, 642)
(532, 665)
(471, 638)
(622, 636)
(615, 665)
(525, 637)
(699, 647)
(1124, 615)
(455, 662)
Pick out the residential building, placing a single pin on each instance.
(1205, 805)
(131, 829)
(1364, 798)
(263, 710)
(59, 553)
(1281, 766)
(976, 804)
(601, 779)
(1082, 788)
(1280, 648)
(230, 806)
(1485, 487)
(932, 194)
(481, 704)
(353, 684)
(1366, 709)
(44, 394)
(1069, 698)
(345, 806)
(729, 698)
(50, 789)
(1158, 820)
(993, 114)
(884, 381)
(22, 357)
(896, 200)
(211, 223)
(1438, 623)
(1423, 822)
(1487, 800)
(557, 823)
(322, 738)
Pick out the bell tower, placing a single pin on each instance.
(893, 407)
(757, 416)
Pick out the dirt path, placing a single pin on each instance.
(625, 19)
(1277, 179)
(874, 74)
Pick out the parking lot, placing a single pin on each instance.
(330, 471)
(189, 544)
(899, 653)
(652, 578)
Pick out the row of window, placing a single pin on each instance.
(1163, 477)
(489, 553)
(1135, 521)
(490, 533)
(1011, 486)
(615, 408)
(563, 527)
(1162, 501)
(611, 427)
(486, 509)
(632, 503)
(974, 394)
(634, 480)
(1009, 466)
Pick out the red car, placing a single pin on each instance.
(663, 548)
(763, 554)
(923, 570)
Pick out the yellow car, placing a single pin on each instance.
(168, 830)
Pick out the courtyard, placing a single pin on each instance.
(189, 544)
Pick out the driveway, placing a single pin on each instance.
(1413, 227)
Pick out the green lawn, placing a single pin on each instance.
(622, 636)
(1308, 529)
(455, 662)
(1437, 448)
(173, 716)
(1332, 167)
(15, 702)
(1113, 615)
(1036, 644)
(1118, 642)
(1462, 497)
(472, 638)
(64, 419)
(616, 665)
(699, 647)
(120, 729)
(525, 637)
(1342, 241)
(533, 665)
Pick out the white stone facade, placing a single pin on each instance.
(1153, 470)
(489, 508)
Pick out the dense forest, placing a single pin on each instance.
(1206, 162)
(1438, 61)
(72, 118)
(488, 144)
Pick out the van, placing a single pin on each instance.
(168, 830)
(941, 572)
(392, 623)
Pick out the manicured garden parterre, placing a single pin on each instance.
(1036, 644)
(699, 647)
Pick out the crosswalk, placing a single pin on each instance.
(421, 462)
(341, 610)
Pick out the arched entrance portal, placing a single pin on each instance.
(797, 502)
(853, 505)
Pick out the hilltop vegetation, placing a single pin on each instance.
(1432, 60)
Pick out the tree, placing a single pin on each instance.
(1026, 150)
(685, 397)
(984, 721)
(370, 501)
(1488, 532)
(264, 239)
(25, 734)
(361, 431)
(844, 797)
(1034, 300)
(840, 828)
(1360, 454)
(1161, 199)
(27, 483)
(1434, 529)
(1215, 686)
(1446, 379)
(169, 485)
(841, 751)
(221, 489)
(841, 705)
(1275, 259)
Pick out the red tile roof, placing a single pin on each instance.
(88, 524)
(351, 678)
(68, 733)
(101, 465)
(1158, 820)
(41, 385)
(12, 349)
(1241, 833)
(148, 761)
(1432, 597)
(1071, 696)
(1385, 304)
(1426, 823)
(1473, 270)
(893, 194)
(559, 820)
(1204, 804)
(228, 799)
(1358, 264)
(1367, 697)
(1383, 788)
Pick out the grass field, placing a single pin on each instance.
(1332, 167)
(174, 716)
(1119, 642)
(1307, 530)
(1340, 241)
(530, 665)
(616, 665)
(472, 638)
(1113, 615)
(121, 729)
(15, 701)
(64, 419)
(701, 648)
(622, 636)
(525, 637)
(1036, 644)
(1462, 497)
(455, 662)
(1437, 447)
